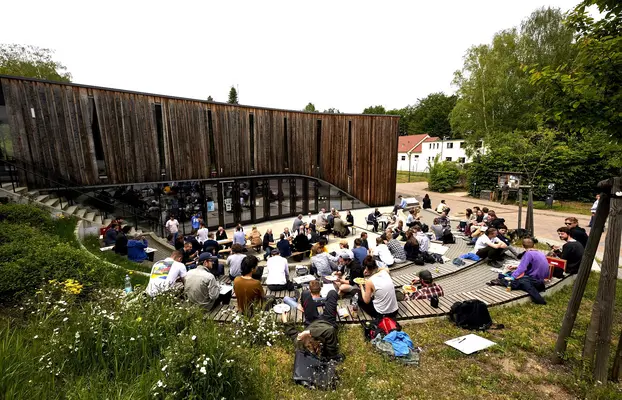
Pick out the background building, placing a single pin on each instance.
(414, 152)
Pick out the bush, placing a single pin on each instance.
(443, 175)
(27, 215)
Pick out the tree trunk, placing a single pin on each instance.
(529, 218)
(520, 208)
(607, 284)
(582, 277)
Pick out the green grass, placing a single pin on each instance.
(570, 207)
(402, 177)
(92, 244)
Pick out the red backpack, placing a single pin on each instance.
(385, 325)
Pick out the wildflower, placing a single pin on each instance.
(204, 362)
(164, 368)
(77, 335)
(219, 374)
(139, 319)
(36, 337)
(269, 344)
(65, 319)
(160, 384)
(203, 371)
(194, 337)
(132, 339)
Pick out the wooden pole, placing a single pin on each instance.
(582, 277)
(607, 285)
(529, 219)
(520, 208)
(616, 371)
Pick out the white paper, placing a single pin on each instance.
(326, 288)
(224, 289)
(304, 279)
(437, 249)
(469, 344)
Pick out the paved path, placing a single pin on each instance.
(546, 222)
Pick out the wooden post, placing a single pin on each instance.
(529, 218)
(607, 285)
(520, 208)
(582, 277)
(616, 371)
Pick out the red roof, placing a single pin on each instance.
(407, 143)
(431, 139)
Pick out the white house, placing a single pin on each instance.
(415, 151)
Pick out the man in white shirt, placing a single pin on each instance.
(278, 273)
(202, 287)
(442, 206)
(422, 238)
(166, 274)
(489, 246)
(239, 237)
(202, 234)
(172, 226)
(593, 211)
(382, 254)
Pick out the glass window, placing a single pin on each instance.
(346, 202)
(273, 191)
(230, 203)
(335, 198)
(461, 160)
(299, 196)
(245, 201)
(312, 199)
(450, 145)
(323, 192)
(211, 205)
(462, 145)
(447, 158)
(284, 198)
(403, 158)
(259, 199)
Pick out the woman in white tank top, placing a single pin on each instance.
(381, 287)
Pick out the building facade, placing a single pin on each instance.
(416, 151)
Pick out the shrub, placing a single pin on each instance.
(443, 175)
(26, 214)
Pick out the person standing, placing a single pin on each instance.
(297, 223)
(202, 234)
(593, 211)
(505, 192)
(268, 240)
(196, 223)
(172, 227)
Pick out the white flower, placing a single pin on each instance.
(36, 337)
(269, 344)
(160, 384)
(204, 362)
(65, 319)
(164, 368)
(194, 337)
(219, 374)
(203, 371)
(77, 335)
(132, 339)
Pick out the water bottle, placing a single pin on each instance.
(355, 305)
(128, 284)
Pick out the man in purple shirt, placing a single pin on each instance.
(533, 263)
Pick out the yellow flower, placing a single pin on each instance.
(130, 272)
(139, 319)
(72, 286)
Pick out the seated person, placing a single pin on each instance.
(382, 254)
(364, 242)
(239, 237)
(120, 245)
(349, 218)
(179, 243)
(437, 229)
(256, 240)
(344, 248)
(249, 291)
(494, 221)
(442, 206)
(393, 224)
(397, 251)
(427, 288)
(339, 227)
(310, 297)
(489, 246)
(412, 218)
(422, 239)
(576, 231)
(189, 256)
(571, 251)
(211, 245)
(136, 249)
(352, 269)
(234, 261)
(286, 233)
(323, 263)
(301, 241)
(202, 233)
(359, 251)
(110, 237)
(411, 248)
(201, 286)
(378, 297)
(401, 204)
(372, 219)
(167, 274)
(278, 273)
(196, 246)
(502, 232)
(444, 220)
(283, 246)
(221, 234)
(397, 232)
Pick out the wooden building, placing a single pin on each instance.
(100, 136)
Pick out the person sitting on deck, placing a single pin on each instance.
(412, 218)
(382, 253)
(576, 231)
(322, 262)
(210, 245)
(278, 273)
(255, 237)
(239, 237)
(427, 288)
(221, 234)
(285, 249)
(234, 261)
(359, 251)
(364, 242)
(202, 233)
(110, 237)
(166, 274)
(411, 247)
(530, 274)
(502, 234)
(351, 269)
(437, 229)
(308, 299)
(378, 292)
(136, 249)
(422, 238)
(397, 232)
(489, 246)
(571, 251)
(494, 221)
(120, 245)
(202, 287)
(249, 291)
(397, 250)
(268, 240)
(401, 204)
(427, 202)
(442, 206)
(189, 256)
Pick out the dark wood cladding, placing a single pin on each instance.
(60, 138)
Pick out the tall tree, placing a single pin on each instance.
(332, 111)
(233, 96)
(405, 116)
(31, 62)
(378, 110)
(209, 98)
(431, 115)
(310, 108)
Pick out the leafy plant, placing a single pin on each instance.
(443, 175)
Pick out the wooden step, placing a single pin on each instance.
(33, 193)
(7, 185)
(52, 202)
(71, 209)
(43, 198)
(80, 212)
(64, 203)
(21, 190)
(90, 216)
(98, 219)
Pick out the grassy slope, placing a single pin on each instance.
(92, 244)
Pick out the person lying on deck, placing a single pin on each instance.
(426, 288)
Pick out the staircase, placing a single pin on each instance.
(61, 205)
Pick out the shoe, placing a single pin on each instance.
(296, 293)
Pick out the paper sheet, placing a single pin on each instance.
(304, 279)
(437, 248)
(224, 289)
(469, 344)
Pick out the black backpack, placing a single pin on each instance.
(471, 314)
(315, 373)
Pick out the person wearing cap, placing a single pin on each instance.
(427, 288)
(278, 273)
(351, 269)
(201, 286)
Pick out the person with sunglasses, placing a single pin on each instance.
(571, 251)
(576, 231)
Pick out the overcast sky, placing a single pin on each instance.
(342, 54)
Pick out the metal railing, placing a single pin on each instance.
(20, 174)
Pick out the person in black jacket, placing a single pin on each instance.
(427, 202)
(576, 231)
(211, 245)
(354, 270)
(120, 245)
(349, 218)
(571, 251)
(411, 247)
(268, 238)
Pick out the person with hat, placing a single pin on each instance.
(201, 286)
(426, 288)
(278, 273)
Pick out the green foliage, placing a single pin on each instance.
(444, 175)
(26, 214)
(31, 62)
(233, 96)
(375, 110)
(587, 94)
(92, 244)
(431, 115)
(310, 108)
(332, 111)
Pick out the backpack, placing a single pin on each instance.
(419, 260)
(428, 258)
(384, 326)
(470, 314)
(314, 373)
